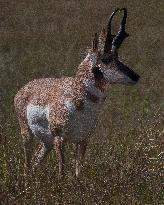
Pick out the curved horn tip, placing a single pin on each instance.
(125, 9)
(113, 13)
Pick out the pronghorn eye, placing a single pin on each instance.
(97, 72)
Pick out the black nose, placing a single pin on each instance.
(128, 72)
(134, 76)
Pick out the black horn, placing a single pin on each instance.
(119, 38)
(109, 36)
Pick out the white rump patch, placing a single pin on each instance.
(37, 117)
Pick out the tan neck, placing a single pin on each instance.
(84, 74)
(84, 70)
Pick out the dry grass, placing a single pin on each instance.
(124, 161)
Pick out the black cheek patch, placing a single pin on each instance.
(97, 73)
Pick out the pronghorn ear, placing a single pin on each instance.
(95, 43)
(97, 72)
(102, 39)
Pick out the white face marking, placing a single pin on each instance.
(115, 76)
(92, 89)
(37, 117)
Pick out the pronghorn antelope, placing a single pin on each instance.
(64, 110)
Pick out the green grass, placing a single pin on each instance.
(124, 159)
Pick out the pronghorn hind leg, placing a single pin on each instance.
(41, 153)
(80, 152)
(27, 138)
(58, 146)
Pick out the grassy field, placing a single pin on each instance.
(125, 159)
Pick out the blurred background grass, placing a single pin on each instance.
(124, 160)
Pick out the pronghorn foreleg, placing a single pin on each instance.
(80, 152)
(58, 146)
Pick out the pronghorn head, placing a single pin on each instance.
(104, 55)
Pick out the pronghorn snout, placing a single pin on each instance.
(120, 73)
